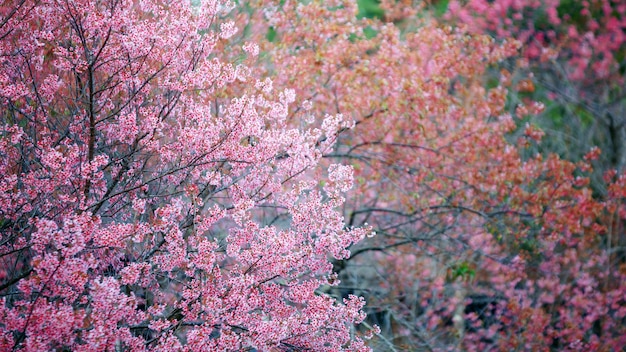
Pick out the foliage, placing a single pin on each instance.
(163, 193)
(575, 52)
(482, 243)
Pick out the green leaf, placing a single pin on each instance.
(441, 7)
(370, 9)
(271, 35)
(369, 32)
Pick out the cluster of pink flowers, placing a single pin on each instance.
(151, 194)
(587, 35)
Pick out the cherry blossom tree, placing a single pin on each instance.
(153, 195)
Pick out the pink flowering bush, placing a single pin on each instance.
(588, 35)
(574, 57)
(152, 194)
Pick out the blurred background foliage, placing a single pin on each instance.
(579, 114)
